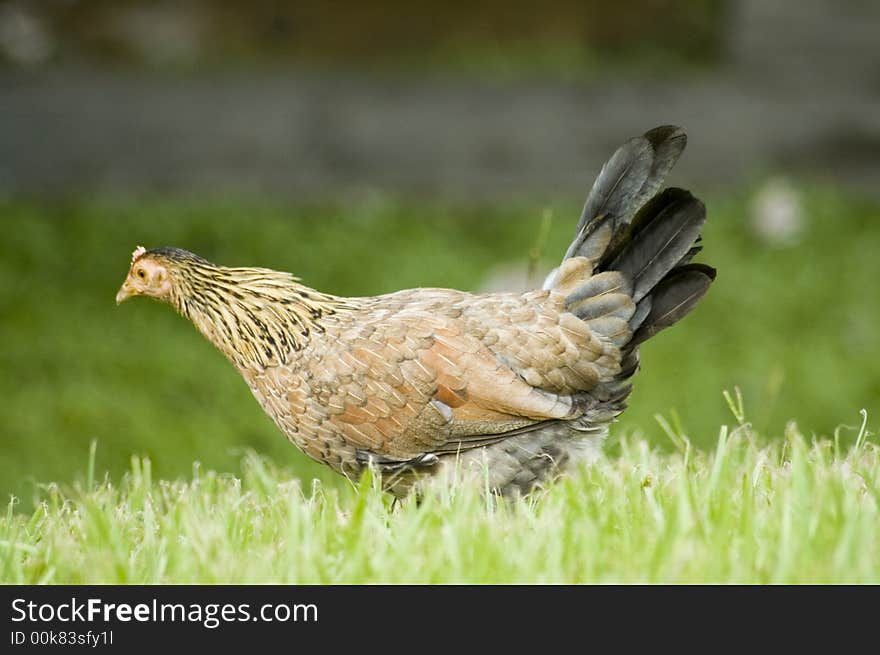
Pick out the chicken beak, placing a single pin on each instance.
(125, 292)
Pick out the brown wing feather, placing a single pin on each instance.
(431, 376)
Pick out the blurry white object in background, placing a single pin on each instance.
(777, 215)
(23, 39)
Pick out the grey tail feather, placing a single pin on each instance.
(632, 175)
(661, 241)
(649, 238)
(672, 299)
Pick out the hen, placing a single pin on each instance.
(432, 383)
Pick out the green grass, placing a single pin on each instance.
(790, 511)
(794, 327)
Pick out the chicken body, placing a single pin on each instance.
(430, 384)
(413, 381)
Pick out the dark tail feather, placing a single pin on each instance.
(633, 174)
(628, 271)
(672, 299)
(668, 143)
(660, 242)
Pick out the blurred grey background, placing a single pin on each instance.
(486, 100)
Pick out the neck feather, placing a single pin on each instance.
(257, 317)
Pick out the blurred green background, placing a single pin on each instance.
(392, 146)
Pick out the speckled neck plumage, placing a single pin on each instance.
(257, 317)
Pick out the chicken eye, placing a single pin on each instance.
(141, 273)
